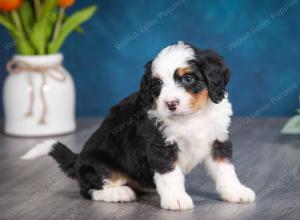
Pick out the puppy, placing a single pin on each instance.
(151, 139)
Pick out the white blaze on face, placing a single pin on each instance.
(163, 67)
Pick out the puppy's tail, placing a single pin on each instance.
(63, 155)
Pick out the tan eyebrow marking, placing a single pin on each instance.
(184, 70)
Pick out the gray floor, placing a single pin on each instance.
(265, 160)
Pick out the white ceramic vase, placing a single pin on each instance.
(39, 97)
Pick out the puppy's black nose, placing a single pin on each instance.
(172, 105)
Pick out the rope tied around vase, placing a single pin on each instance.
(55, 72)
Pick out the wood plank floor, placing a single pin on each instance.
(265, 160)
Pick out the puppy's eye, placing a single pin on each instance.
(158, 81)
(187, 79)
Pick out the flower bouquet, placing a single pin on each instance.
(40, 27)
(39, 94)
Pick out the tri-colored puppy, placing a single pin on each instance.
(151, 139)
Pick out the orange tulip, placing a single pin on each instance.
(65, 3)
(9, 5)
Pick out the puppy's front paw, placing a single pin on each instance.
(176, 201)
(237, 194)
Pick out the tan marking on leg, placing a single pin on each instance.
(222, 152)
(117, 178)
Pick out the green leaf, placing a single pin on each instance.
(23, 47)
(298, 111)
(47, 8)
(51, 20)
(27, 16)
(42, 29)
(38, 36)
(70, 25)
(79, 29)
(27, 19)
(292, 126)
(7, 24)
(21, 44)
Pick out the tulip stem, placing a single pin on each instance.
(17, 21)
(37, 5)
(58, 24)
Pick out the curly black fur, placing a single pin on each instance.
(215, 72)
(129, 142)
(126, 141)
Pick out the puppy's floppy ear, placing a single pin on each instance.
(216, 73)
(146, 98)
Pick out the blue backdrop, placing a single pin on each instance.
(259, 40)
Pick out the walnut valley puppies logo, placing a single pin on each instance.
(264, 108)
(150, 24)
(125, 124)
(11, 44)
(264, 23)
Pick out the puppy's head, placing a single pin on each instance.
(181, 80)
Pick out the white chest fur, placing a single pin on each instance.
(195, 134)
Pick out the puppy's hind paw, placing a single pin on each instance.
(114, 194)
